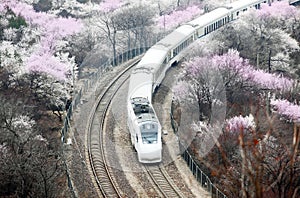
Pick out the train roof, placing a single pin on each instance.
(140, 85)
(241, 4)
(176, 37)
(209, 17)
(152, 57)
(141, 78)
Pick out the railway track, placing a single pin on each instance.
(163, 181)
(96, 156)
(95, 140)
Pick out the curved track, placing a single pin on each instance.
(163, 182)
(95, 137)
(95, 140)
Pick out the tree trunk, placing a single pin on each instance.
(269, 60)
(129, 46)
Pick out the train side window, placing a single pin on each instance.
(137, 138)
(237, 13)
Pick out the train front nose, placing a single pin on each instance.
(150, 156)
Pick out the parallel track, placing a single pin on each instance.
(163, 181)
(106, 186)
(96, 146)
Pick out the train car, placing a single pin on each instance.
(211, 21)
(144, 127)
(238, 7)
(142, 82)
(145, 130)
(175, 42)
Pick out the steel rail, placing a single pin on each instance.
(163, 181)
(95, 140)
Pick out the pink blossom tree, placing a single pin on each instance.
(237, 123)
(202, 85)
(279, 10)
(287, 109)
(235, 71)
(52, 65)
(231, 61)
(53, 29)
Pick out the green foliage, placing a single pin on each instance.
(17, 22)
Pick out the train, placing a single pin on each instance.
(144, 126)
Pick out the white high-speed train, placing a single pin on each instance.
(143, 124)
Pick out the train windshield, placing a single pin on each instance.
(149, 137)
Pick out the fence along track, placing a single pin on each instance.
(163, 181)
(95, 140)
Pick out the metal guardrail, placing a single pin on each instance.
(200, 176)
